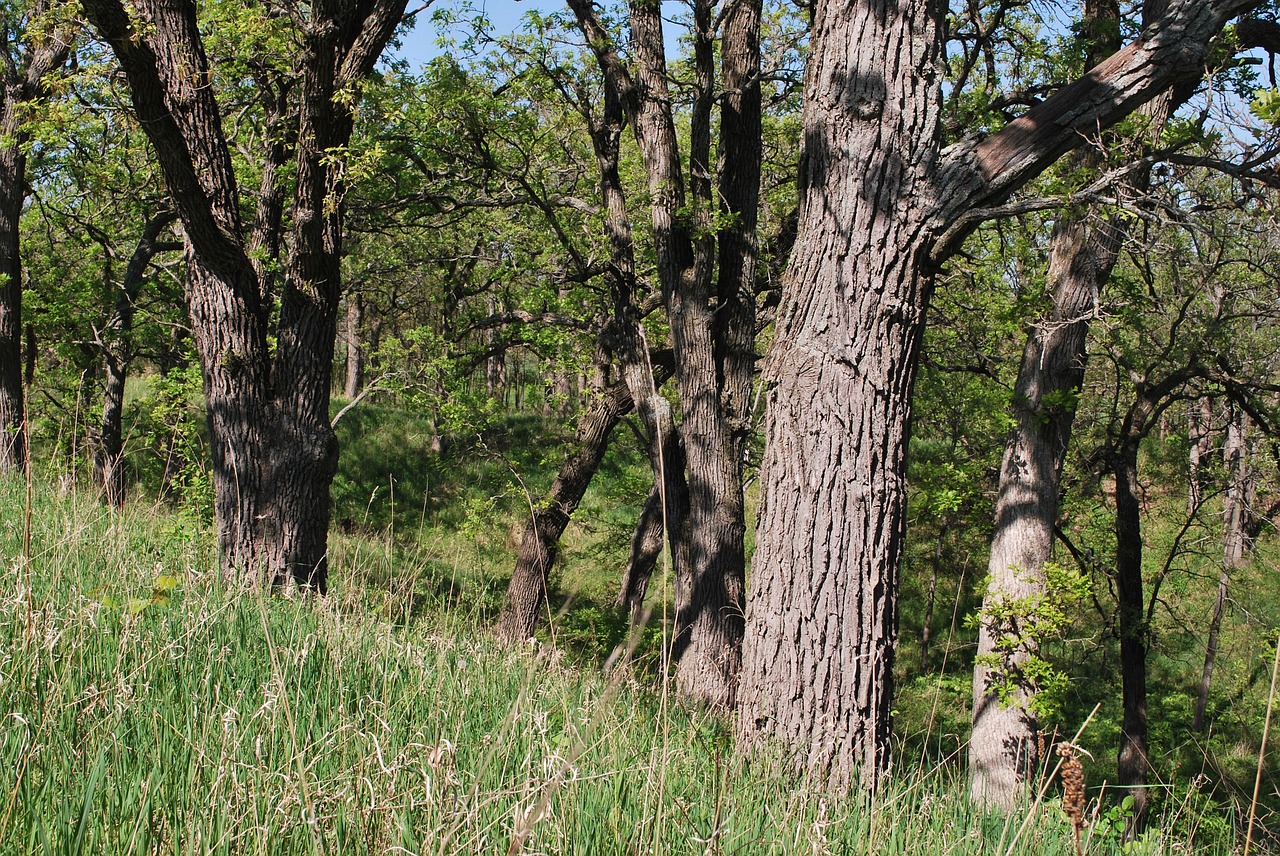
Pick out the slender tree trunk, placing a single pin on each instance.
(1235, 543)
(1134, 762)
(12, 179)
(355, 352)
(117, 353)
(646, 548)
(526, 594)
(27, 60)
(1003, 749)
(1200, 438)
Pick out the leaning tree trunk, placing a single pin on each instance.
(1003, 750)
(108, 454)
(646, 549)
(882, 207)
(526, 594)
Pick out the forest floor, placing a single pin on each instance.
(147, 709)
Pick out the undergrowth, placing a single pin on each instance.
(148, 710)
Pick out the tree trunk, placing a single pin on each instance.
(12, 180)
(526, 594)
(882, 206)
(709, 584)
(117, 353)
(355, 354)
(1134, 763)
(1200, 438)
(1235, 543)
(27, 60)
(646, 548)
(274, 452)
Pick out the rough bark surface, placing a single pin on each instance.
(274, 452)
(882, 205)
(708, 555)
(1004, 742)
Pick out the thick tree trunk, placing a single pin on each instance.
(117, 353)
(526, 594)
(881, 207)
(823, 611)
(274, 452)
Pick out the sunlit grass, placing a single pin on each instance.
(202, 722)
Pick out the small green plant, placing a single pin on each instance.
(1021, 626)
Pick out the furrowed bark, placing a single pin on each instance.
(274, 452)
(1004, 743)
(882, 207)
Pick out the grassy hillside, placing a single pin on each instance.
(145, 710)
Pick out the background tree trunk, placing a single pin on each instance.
(526, 593)
(27, 60)
(1237, 508)
(117, 354)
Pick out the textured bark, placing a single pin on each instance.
(710, 581)
(1004, 743)
(117, 354)
(881, 206)
(274, 452)
(27, 59)
(1236, 510)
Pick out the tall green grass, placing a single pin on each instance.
(140, 716)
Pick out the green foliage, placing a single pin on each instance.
(229, 723)
(1021, 626)
(1266, 105)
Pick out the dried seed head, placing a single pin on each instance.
(1072, 784)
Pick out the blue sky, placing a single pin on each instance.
(505, 15)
